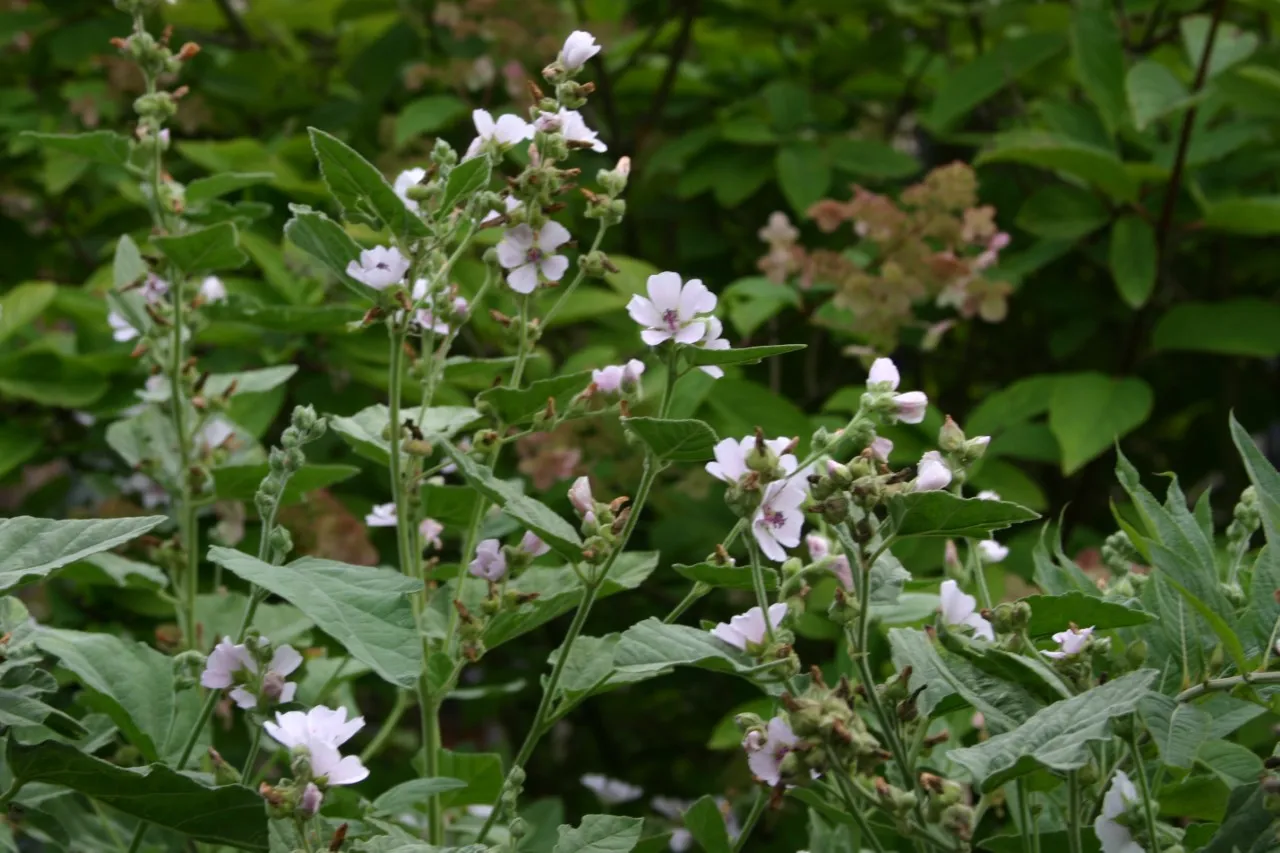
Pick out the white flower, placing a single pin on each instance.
(227, 659)
(992, 551)
(1114, 836)
(779, 520)
(618, 378)
(382, 515)
(379, 267)
(765, 758)
(215, 433)
(884, 373)
(881, 448)
(406, 179)
(527, 253)
(120, 328)
(320, 732)
(932, 473)
(988, 495)
(151, 493)
(212, 289)
(959, 608)
(429, 530)
(749, 627)
(730, 464)
(511, 204)
(85, 419)
(611, 792)
(1071, 642)
(910, 407)
(532, 545)
(712, 340)
(580, 496)
(578, 48)
(426, 317)
(672, 310)
(489, 563)
(574, 127)
(507, 130)
(154, 288)
(820, 548)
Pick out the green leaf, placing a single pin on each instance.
(750, 302)
(944, 514)
(1057, 737)
(1258, 216)
(676, 441)
(1089, 412)
(1096, 166)
(221, 815)
(1197, 582)
(1052, 613)
(1233, 763)
(324, 239)
(129, 682)
(20, 709)
(654, 647)
(285, 318)
(743, 355)
(1247, 327)
(600, 833)
(589, 671)
(127, 267)
(364, 430)
(1132, 258)
(464, 179)
(1099, 59)
(241, 482)
(1265, 479)
(206, 250)
(1178, 728)
(361, 192)
(705, 823)
(366, 609)
(1062, 212)
(725, 577)
(533, 514)
(51, 379)
(1003, 64)
(224, 183)
(1153, 91)
(869, 158)
(413, 795)
(515, 406)
(17, 446)
(804, 174)
(99, 146)
(107, 569)
(1247, 822)
(427, 115)
(258, 381)
(1231, 45)
(23, 304)
(33, 548)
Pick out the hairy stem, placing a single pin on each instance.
(851, 802)
(1144, 789)
(748, 826)
(255, 744)
(757, 583)
(1223, 684)
(388, 727)
(1073, 811)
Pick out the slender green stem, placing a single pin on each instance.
(429, 713)
(1271, 645)
(255, 743)
(301, 825)
(107, 824)
(522, 350)
(1073, 811)
(851, 802)
(1144, 789)
(673, 362)
(1216, 684)
(1030, 837)
(979, 576)
(757, 582)
(577, 279)
(749, 825)
(12, 791)
(387, 728)
(696, 592)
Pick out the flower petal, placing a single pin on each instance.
(554, 267)
(523, 279)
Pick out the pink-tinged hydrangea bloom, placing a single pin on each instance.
(959, 608)
(532, 545)
(932, 473)
(713, 341)
(884, 376)
(618, 378)
(611, 792)
(673, 310)
(580, 496)
(212, 289)
(379, 267)
(749, 627)
(528, 253)
(404, 181)
(1071, 642)
(320, 732)
(730, 464)
(120, 328)
(779, 519)
(429, 530)
(881, 448)
(490, 563)
(578, 48)
(992, 551)
(1114, 836)
(506, 131)
(765, 757)
(381, 515)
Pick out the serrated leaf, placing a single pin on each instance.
(533, 514)
(1178, 728)
(938, 513)
(600, 833)
(323, 239)
(361, 192)
(515, 406)
(1052, 613)
(674, 440)
(464, 179)
(206, 250)
(227, 814)
(1057, 737)
(1132, 258)
(366, 609)
(365, 429)
(742, 355)
(223, 183)
(725, 577)
(99, 146)
(36, 547)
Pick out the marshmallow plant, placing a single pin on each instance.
(904, 699)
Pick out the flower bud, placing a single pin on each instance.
(309, 802)
(950, 437)
(974, 449)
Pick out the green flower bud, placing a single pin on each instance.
(950, 437)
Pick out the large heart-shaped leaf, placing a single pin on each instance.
(33, 548)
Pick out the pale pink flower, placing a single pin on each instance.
(405, 181)
(580, 496)
(881, 448)
(490, 563)
(120, 328)
(959, 608)
(154, 288)
(911, 406)
(749, 628)
(506, 131)
(1071, 642)
(379, 267)
(528, 253)
(1114, 836)
(713, 341)
(779, 520)
(819, 546)
(992, 551)
(429, 530)
(213, 290)
(381, 515)
(320, 732)
(730, 464)
(765, 757)
(532, 545)
(618, 378)
(578, 48)
(932, 473)
(611, 792)
(673, 310)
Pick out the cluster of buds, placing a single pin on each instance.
(282, 463)
(945, 805)
(602, 523)
(830, 729)
(1119, 555)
